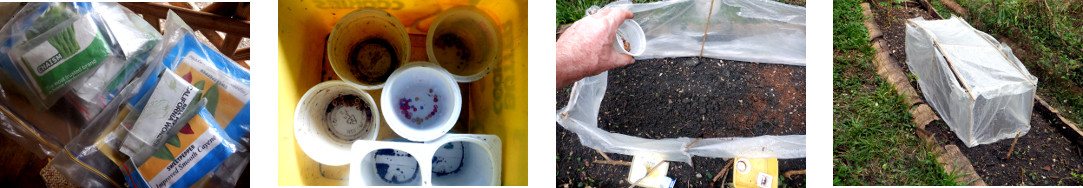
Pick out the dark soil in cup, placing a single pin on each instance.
(456, 54)
(363, 123)
(373, 60)
(688, 97)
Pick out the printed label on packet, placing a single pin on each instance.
(66, 55)
(225, 96)
(198, 64)
(188, 155)
(164, 109)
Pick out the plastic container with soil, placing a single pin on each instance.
(366, 46)
(330, 117)
(495, 104)
(464, 41)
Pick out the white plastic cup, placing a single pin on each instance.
(464, 41)
(330, 117)
(376, 41)
(421, 101)
(631, 32)
(451, 160)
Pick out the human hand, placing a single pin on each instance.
(586, 48)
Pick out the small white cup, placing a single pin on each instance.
(631, 32)
(421, 101)
(325, 124)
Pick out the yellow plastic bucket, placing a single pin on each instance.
(496, 104)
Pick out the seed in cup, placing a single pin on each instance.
(408, 107)
(457, 54)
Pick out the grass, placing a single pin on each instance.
(569, 11)
(1051, 33)
(874, 140)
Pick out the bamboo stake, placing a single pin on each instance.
(612, 162)
(723, 172)
(705, 27)
(603, 155)
(1013, 144)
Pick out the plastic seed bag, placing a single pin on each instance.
(53, 44)
(135, 38)
(173, 102)
(187, 157)
(91, 157)
(225, 83)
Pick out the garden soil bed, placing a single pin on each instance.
(1041, 157)
(688, 97)
(1032, 162)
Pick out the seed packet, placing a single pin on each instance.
(188, 156)
(52, 44)
(172, 103)
(224, 82)
(135, 39)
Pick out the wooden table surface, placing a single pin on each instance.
(19, 166)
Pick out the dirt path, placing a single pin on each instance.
(675, 97)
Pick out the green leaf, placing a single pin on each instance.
(164, 154)
(173, 85)
(173, 141)
(212, 98)
(199, 84)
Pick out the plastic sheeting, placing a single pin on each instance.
(743, 30)
(581, 117)
(978, 86)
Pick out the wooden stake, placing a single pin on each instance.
(1013, 144)
(793, 172)
(693, 143)
(603, 155)
(723, 172)
(705, 27)
(612, 162)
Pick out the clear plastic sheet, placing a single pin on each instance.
(743, 30)
(580, 116)
(980, 89)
